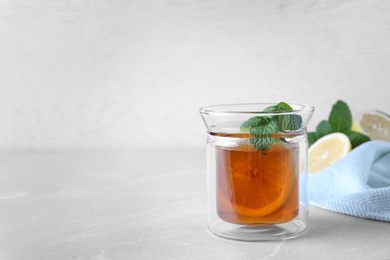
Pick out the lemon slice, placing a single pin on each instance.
(374, 124)
(328, 150)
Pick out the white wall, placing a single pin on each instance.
(95, 74)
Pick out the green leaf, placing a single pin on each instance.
(357, 138)
(262, 142)
(340, 118)
(280, 107)
(263, 139)
(312, 138)
(255, 121)
(323, 128)
(289, 122)
(262, 127)
(270, 109)
(284, 106)
(266, 129)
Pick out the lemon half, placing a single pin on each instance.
(374, 124)
(327, 150)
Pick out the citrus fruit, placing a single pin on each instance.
(328, 150)
(374, 124)
(252, 185)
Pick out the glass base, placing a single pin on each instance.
(282, 231)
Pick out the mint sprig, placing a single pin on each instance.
(340, 120)
(262, 127)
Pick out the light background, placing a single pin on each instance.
(121, 74)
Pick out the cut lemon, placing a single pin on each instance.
(254, 187)
(374, 124)
(327, 150)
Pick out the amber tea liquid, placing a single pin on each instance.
(255, 187)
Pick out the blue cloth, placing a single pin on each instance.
(357, 185)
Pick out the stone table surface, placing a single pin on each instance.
(145, 204)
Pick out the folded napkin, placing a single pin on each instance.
(357, 185)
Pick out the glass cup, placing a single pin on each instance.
(256, 194)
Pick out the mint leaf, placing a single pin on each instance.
(311, 138)
(357, 138)
(284, 106)
(266, 129)
(271, 109)
(255, 121)
(262, 142)
(263, 139)
(262, 127)
(323, 128)
(289, 122)
(340, 118)
(280, 107)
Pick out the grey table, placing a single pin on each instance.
(145, 204)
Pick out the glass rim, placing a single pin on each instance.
(228, 109)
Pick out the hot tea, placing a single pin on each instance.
(256, 187)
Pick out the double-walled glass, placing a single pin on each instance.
(255, 194)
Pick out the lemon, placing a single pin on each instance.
(374, 124)
(328, 150)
